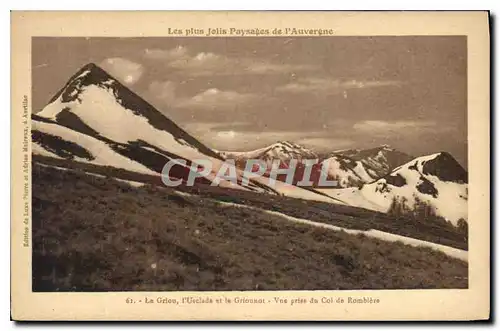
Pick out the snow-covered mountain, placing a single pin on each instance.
(434, 184)
(350, 168)
(282, 150)
(378, 161)
(348, 172)
(95, 119)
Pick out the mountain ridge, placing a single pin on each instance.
(350, 167)
(409, 188)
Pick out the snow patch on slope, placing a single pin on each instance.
(99, 109)
(351, 196)
(385, 236)
(102, 153)
(130, 182)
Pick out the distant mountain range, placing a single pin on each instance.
(282, 150)
(94, 119)
(350, 167)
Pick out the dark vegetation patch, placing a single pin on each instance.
(396, 180)
(330, 213)
(345, 163)
(97, 234)
(59, 146)
(382, 187)
(72, 121)
(42, 119)
(413, 166)
(426, 187)
(421, 210)
(150, 159)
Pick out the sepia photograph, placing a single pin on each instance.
(382, 118)
(249, 161)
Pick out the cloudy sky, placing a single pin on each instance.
(326, 93)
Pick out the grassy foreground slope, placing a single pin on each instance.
(95, 234)
(330, 213)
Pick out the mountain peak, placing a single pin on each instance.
(444, 166)
(441, 165)
(92, 69)
(91, 91)
(90, 65)
(87, 75)
(287, 143)
(435, 181)
(291, 146)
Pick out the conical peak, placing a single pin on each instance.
(92, 74)
(90, 66)
(87, 75)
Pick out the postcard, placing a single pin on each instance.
(272, 166)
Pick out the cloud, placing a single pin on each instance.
(231, 137)
(376, 126)
(216, 99)
(209, 63)
(332, 86)
(210, 99)
(124, 70)
(268, 68)
(211, 126)
(200, 64)
(170, 54)
(325, 143)
(401, 129)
